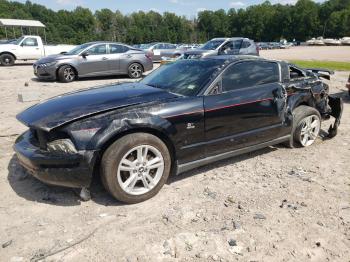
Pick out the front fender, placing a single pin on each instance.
(128, 123)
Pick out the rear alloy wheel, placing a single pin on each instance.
(309, 129)
(66, 74)
(135, 167)
(7, 60)
(307, 125)
(135, 70)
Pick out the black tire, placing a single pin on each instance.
(7, 60)
(299, 115)
(135, 70)
(66, 74)
(114, 155)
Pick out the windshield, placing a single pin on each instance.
(184, 77)
(78, 49)
(212, 44)
(18, 41)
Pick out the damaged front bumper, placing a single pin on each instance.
(70, 170)
(336, 106)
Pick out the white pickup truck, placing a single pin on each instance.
(28, 47)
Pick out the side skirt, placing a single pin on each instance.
(201, 162)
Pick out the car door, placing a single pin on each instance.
(117, 58)
(29, 49)
(157, 49)
(168, 50)
(245, 106)
(94, 62)
(246, 48)
(231, 47)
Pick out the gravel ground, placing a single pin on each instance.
(275, 204)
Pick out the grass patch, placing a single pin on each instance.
(333, 65)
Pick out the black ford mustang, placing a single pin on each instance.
(183, 115)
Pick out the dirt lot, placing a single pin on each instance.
(276, 204)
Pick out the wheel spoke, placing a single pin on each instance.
(130, 182)
(314, 123)
(139, 155)
(150, 179)
(144, 154)
(145, 183)
(153, 161)
(305, 139)
(313, 135)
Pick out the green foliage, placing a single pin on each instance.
(263, 22)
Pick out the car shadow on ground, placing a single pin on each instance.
(31, 189)
(23, 64)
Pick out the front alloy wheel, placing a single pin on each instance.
(66, 74)
(135, 167)
(140, 169)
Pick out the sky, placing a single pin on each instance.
(188, 8)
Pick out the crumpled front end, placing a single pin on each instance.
(70, 169)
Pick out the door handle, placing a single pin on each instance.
(104, 58)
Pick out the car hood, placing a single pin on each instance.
(51, 58)
(67, 108)
(200, 52)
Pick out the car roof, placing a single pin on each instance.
(234, 58)
(230, 38)
(105, 42)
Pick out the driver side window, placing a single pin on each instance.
(97, 50)
(248, 74)
(30, 42)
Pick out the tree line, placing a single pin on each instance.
(262, 22)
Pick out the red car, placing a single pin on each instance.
(348, 85)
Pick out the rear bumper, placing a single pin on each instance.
(148, 66)
(336, 105)
(70, 170)
(45, 73)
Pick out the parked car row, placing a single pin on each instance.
(274, 45)
(320, 41)
(68, 63)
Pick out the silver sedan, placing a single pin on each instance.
(94, 59)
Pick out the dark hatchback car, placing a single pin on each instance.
(181, 116)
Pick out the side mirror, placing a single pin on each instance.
(84, 54)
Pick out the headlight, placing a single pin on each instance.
(62, 146)
(49, 63)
